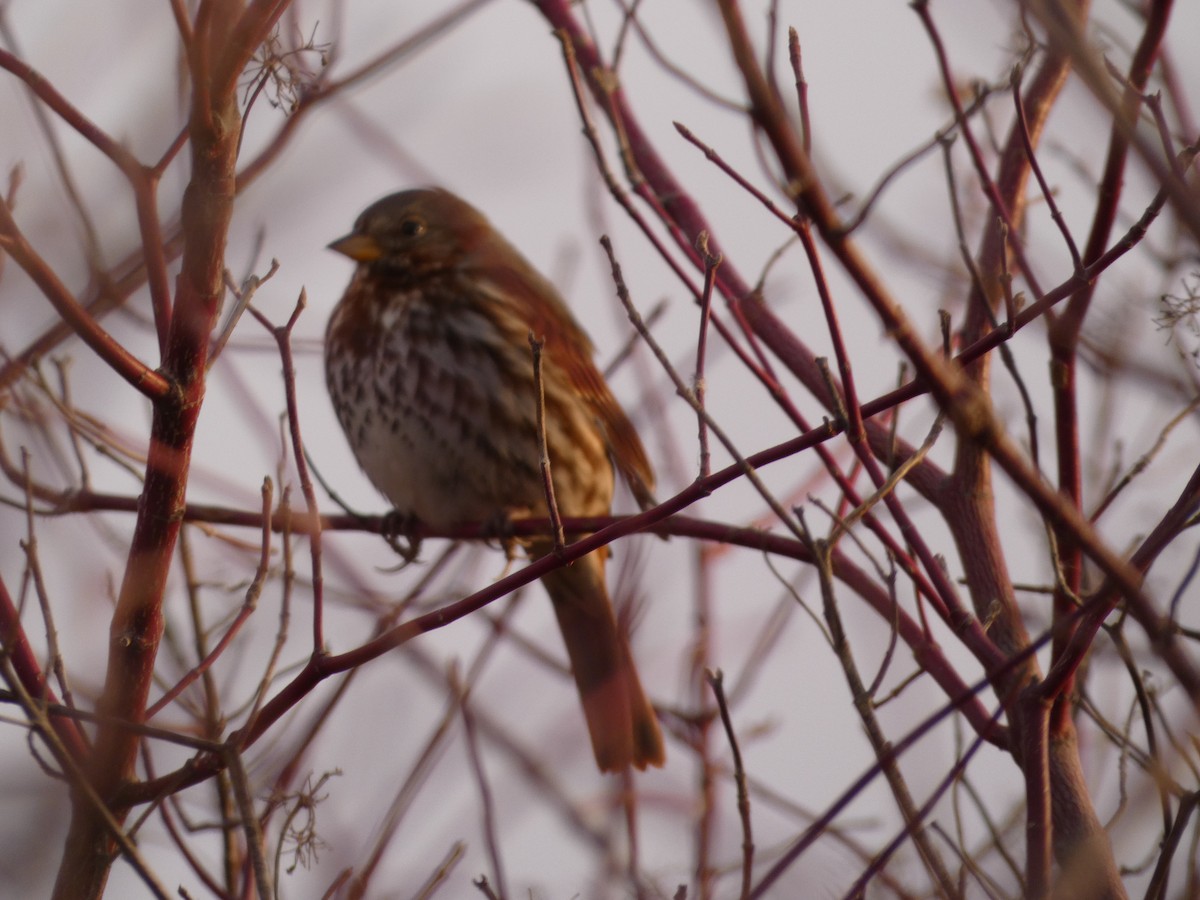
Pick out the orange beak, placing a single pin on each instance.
(359, 247)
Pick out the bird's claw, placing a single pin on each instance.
(402, 532)
(498, 530)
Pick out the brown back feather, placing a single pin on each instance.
(567, 347)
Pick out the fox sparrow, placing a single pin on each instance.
(428, 363)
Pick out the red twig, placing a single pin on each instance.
(283, 338)
(138, 374)
(25, 666)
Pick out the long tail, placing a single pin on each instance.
(620, 719)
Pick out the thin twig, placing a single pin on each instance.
(442, 871)
(685, 392)
(251, 827)
(140, 376)
(801, 87)
(485, 793)
(711, 263)
(932, 860)
(43, 726)
(242, 297)
(30, 546)
(1047, 194)
(535, 347)
(716, 680)
(283, 338)
(249, 605)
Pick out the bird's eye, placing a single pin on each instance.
(411, 228)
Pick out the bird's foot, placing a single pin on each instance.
(402, 532)
(498, 530)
